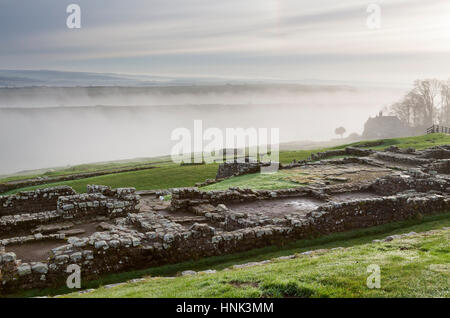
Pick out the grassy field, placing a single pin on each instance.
(172, 175)
(416, 266)
(417, 142)
(163, 177)
(278, 180)
(89, 167)
(258, 181)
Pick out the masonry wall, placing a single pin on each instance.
(27, 210)
(99, 201)
(393, 184)
(351, 151)
(33, 201)
(186, 198)
(229, 169)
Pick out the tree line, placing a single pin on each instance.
(427, 103)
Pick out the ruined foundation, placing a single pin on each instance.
(110, 230)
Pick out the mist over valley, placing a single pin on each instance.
(49, 126)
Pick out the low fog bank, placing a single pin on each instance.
(31, 97)
(47, 127)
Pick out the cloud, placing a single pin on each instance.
(34, 34)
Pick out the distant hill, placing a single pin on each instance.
(25, 78)
(49, 78)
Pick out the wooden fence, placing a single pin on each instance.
(438, 129)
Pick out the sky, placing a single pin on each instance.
(267, 39)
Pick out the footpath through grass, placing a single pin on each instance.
(416, 266)
(344, 239)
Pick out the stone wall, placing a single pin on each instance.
(336, 217)
(229, 169)
(187, 198)
(91, 204)
(33, 201)
(440, 166)
(402, 158)
(27, 210)
(348, 151)
(414, 180)
(438, 152)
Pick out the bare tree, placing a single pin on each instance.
(428, 102)
(428, 90)
(445, 103)
(403, 111)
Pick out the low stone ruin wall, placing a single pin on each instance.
(33, 201)
(348, 151)
(418, 181)
(415, 179)
(45, 206)
(438, 152)
(400, 158)
(440, 166)
(229, 169)
(336, 217)
(113, 204)
(400, 150)
(187, 198)
(17, 223)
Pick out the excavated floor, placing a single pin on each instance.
(321, 175)
(35, 251)
(343, 197)
(277, 207)
(39, 250)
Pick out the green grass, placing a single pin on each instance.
(172, 175)
(410, 267)
(277, 180)
(417, 142)
(345, 239)
(258, 181)
(162, 177)
(289, 156)
(90, 167)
